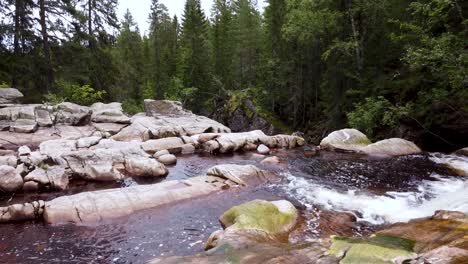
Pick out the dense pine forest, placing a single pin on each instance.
(387, 67)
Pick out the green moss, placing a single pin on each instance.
(376, 250)
(259, 215)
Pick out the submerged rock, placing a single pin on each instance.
(271, 160)
(455, 163)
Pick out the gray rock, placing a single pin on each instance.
(144, 167)
(9, 95)
(164, 108)
(168, 159)
(172, 144)
(111, 128)
(109, 113)
(24, 126)
(264, 150)
(87, 142)
(10, 180)
(72, 114)
(8, 160)
(240, 174)
(43, 118)
(24, 150)
(187, 149)
(22, 212)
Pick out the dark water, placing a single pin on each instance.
(183, 228)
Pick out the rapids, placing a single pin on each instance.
(378, 190)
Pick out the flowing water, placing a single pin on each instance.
(377, 190)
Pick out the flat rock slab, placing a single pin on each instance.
(12, 140)
(108, 204)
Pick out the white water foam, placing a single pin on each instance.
(444, 193)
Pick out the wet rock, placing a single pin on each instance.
(345, 139)
(10, 179)
(336, 223)
(271, 160)
(164, 108)
(168, 159)
(24, 126)
(161, 153)
(72, 114)
(431, 233)
(22, 212)
(462, 152)
(30, 186)
(455, 163)
(378, 249)
(109, 113)
(241, 174)
(273, 218)
(108, 204)
(10, 95)
(87, 142)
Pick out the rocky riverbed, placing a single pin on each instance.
(91, 184)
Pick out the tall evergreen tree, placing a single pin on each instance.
(195, 53)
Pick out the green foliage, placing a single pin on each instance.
(82, 95)
(131, 106)
(53, 99)
(4, 85)
(177, 91)
(376, 113)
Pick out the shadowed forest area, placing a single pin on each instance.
(387, 67)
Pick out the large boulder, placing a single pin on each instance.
(353, 140)
(345, 139)
(24, 126)
(392, 147)
(273, 218)
(144, 128)
(164, 108)
(10, 179)
(109, 113)
(10, 95)
(72, 114)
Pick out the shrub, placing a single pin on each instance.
(82, 95)
(131, 106)
(376, 113)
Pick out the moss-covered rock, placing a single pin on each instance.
(274, 218)
(376, 250)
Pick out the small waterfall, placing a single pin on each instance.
(440, 193)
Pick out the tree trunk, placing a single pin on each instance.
(46, 46)
(90, 23)
(19, 11)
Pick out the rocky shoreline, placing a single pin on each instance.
(45, 148)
